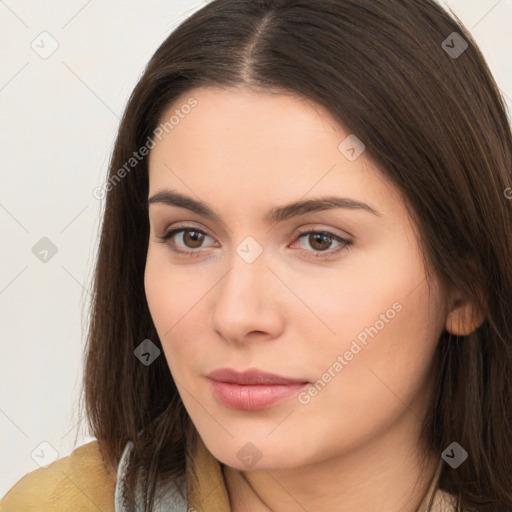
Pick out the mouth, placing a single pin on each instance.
(253, 389)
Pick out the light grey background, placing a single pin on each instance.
(59, 117)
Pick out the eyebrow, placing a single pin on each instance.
(273, 216)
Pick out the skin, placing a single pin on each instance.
(357, 441)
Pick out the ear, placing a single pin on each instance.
(463, 317)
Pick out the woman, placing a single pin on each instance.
(318, 191)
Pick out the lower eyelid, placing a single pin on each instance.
(328, 234)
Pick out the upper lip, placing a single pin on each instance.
(252, 376)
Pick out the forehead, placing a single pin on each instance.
(258, 144)
(241, 116)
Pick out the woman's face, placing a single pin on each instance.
(353, 318)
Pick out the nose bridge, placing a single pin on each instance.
(248, 265)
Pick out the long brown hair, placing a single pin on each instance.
(430, 115)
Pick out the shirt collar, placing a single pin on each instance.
(168, 499)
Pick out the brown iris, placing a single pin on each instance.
(195, 237)
(319, 237)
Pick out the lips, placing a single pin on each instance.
(253, 389)
(252, 377)
(253, 397)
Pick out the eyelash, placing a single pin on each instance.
(346, 244)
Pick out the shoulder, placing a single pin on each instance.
(79, 481)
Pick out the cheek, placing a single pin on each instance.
(170, 291)
(175, 302)
(387, 377)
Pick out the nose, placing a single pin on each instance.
(248, 302)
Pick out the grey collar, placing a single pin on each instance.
(168, 500)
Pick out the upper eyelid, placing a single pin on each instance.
(313, 227)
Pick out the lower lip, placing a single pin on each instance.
(252, 398)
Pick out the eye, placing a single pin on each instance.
(192, 238)
(321, 242)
